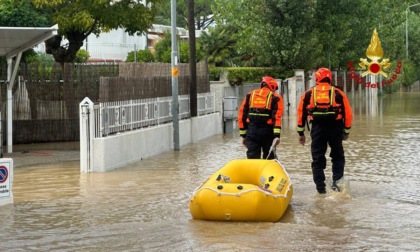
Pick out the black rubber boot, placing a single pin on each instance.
(335, 187)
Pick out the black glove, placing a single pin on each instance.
(345, 136)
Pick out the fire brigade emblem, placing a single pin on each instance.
(374, 52)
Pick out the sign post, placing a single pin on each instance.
(6, 180)
(175, 74)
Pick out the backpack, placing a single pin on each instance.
(322, 105)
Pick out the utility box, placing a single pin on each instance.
(230, 113)
(230, 107)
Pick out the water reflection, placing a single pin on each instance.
(144, 206)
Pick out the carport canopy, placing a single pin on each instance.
(13, 42)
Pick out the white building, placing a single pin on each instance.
(116, 44)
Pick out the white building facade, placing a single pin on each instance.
(114, 46)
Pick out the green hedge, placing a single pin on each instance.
(240, 75)
(141, 56)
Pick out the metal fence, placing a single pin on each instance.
(115, 117)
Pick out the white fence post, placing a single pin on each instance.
(86, 135)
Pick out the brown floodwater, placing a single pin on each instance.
(144, 206)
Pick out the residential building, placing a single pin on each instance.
(114, 46)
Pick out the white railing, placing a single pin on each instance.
(115, 117)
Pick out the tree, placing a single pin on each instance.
(272, 33)
(21, 13)
(308, 34)
(163, 50)
(78, 19)
(219, 45)
(344, 30)
(202, 13)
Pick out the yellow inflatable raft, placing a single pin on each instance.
(244, 190)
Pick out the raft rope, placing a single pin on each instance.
(238, 194)
(273, 149)
(219, 193)
(262, 190)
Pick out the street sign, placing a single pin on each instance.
(6, 177)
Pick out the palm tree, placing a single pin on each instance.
(219, 45)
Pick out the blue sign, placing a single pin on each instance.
(3, 174)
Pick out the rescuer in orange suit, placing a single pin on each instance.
(330, 114)
(259, 119)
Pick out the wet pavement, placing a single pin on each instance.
(144, 206)
(43, 153)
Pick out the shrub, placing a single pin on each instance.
(141, 56)
(214, 73)
(240, 75)
(82, 56)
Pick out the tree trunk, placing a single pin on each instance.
(65, 53)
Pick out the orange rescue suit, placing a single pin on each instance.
(324, 102)
(261, 107)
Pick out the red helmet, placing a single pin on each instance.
(270, 82)
(323, 73)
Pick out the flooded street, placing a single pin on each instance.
(145, 206)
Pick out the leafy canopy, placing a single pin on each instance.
(203, 14)
(78, 19)
(21, 13)
(311, 33)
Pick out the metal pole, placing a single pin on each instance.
(174, 65)
(380, 84)
(135, 54)
(406, 33)
(193, 58)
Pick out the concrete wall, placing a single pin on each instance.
(121, 149)
(115, 151)
(222, 89)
